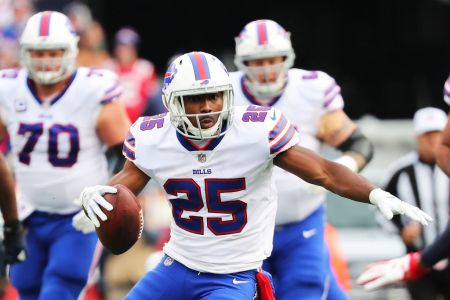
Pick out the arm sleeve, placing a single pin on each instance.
(282, 133)
(330, 92)
(111, 87)
(440, 249)
(129, 144)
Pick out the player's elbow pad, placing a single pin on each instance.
(359, 143)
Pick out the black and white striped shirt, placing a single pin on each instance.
(423, 185)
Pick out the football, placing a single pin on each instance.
(125, 222)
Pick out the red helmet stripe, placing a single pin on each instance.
(200, 65)
(44, 28)
(262, 32)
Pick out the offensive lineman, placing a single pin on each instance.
(59, 119)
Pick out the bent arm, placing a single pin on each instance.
(112, 127)
(131, 177)
(113, 124)
(340, 132)
(317, 170)
(443, 150)
(8, 203)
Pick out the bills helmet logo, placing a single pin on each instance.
(170, 74)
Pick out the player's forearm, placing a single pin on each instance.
(334, 177)
(131, 177)
(358, 147)
(343, 182)
(7, 193)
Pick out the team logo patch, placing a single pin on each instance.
(20, 105)
(201, 157)
(168, 261)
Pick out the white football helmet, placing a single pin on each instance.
(264, 39)
(197, 73)
(49, 30)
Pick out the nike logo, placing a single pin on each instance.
(22, 256)
(235, 281)
(309, 233)
(273, 116)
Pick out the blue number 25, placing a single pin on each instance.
(237, 209)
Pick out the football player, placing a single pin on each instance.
(312, 100)
(60, 119)
(414, 265)
(215, 162)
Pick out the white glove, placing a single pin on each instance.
(91, 199)
(83, 223)
(383, 273)
(389, 205)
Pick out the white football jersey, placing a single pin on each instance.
(307, 97)
(55, 146)
(222, 197)
(447, 91)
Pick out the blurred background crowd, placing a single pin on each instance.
(390, 58)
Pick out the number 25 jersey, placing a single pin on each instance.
(222, 198)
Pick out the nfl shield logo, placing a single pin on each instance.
(202, 157)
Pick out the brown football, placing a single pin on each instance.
(125, 222)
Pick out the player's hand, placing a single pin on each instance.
(14, 242)
(383, 273)
(389, 205)
(82, 223)
(91, 198)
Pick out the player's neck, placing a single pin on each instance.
(47, 91)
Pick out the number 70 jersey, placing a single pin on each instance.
(55, 145)
(221, 194)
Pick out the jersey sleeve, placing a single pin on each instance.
(111, 89)
(447, 91)
(129, 144)
(330, 92)
(8, 88)
(282, 133)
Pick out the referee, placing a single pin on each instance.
(417, 179)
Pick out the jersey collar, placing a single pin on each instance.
(190, 146)
(32, 89)
(253, 99)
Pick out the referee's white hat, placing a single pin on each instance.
(429, 119)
